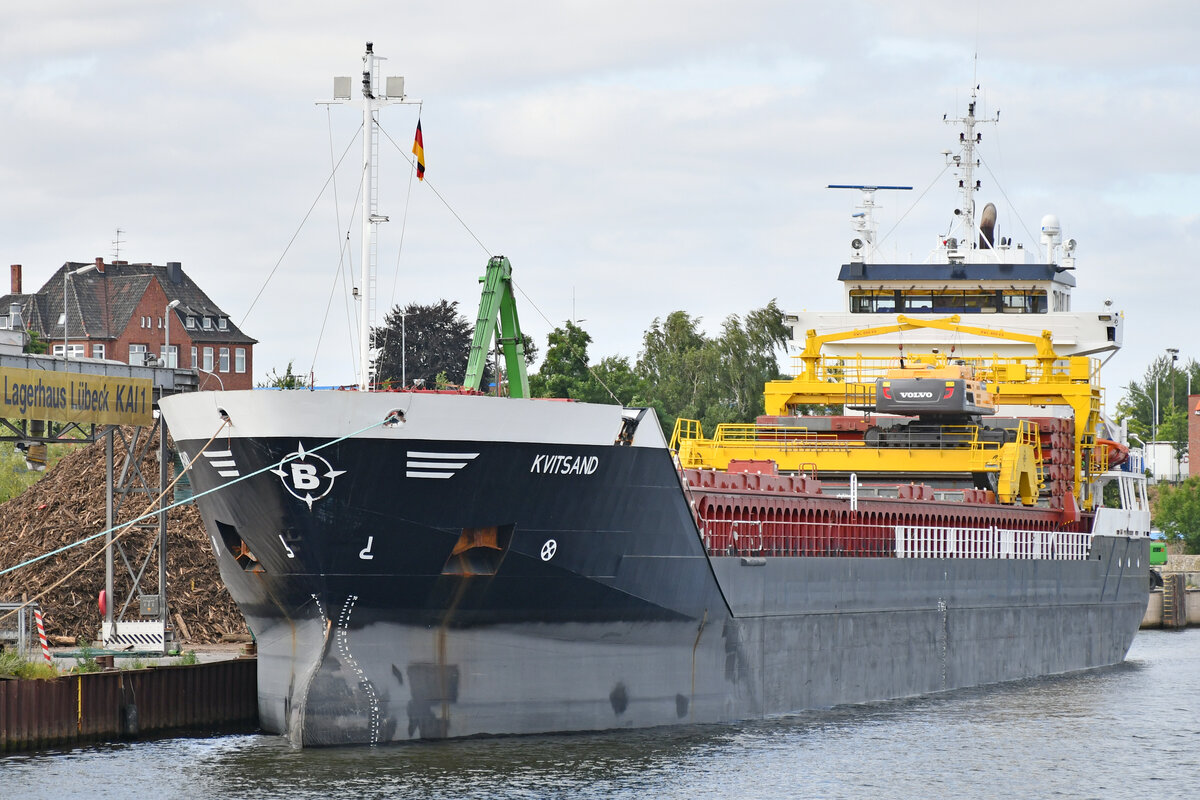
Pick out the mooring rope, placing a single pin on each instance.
(125, 527)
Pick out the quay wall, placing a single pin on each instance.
(128, 704)
(1179, 597)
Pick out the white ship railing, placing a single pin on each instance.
(838, 536)
(991, 542)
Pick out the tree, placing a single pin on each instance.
(1177, 512)
(678, 364)
(748, 359)
(36, 344)
(614, 375)
(1164, 387)
(686, 374)
(419, 342)
(288, 380)
(566, 371)
(436, 344)
(1173, 428)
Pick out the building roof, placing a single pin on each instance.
(101, 304)
(860, 272)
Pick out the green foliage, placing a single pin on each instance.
(678, 364)
(616, 375)
(420, 342)
(566, 372)
(12, 663)
(565, 368)
(1177, 512)
(86, 661)
(1173, 428)
(686, 374)
(748, 361)
(288, 380)
(189, 659)
(36, 344)
(680, 372)
(1112, 495)
(15, 475)
(1166, 382)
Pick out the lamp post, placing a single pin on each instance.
(167, 333)
(66, 276)
(1173, 352)
(403, 351)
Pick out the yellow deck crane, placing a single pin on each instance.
(1046, 379)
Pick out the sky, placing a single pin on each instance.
(630, 158)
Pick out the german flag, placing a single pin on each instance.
(419, 152)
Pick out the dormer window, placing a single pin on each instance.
(223, 323)
(208, 323)
(190, 322)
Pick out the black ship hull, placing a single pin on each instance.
(483, 566)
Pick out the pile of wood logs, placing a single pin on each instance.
(67, 505)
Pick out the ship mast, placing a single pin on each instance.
(967, 161)
(374, 96)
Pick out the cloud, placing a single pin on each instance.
(631, 158)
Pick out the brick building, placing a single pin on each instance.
(127, 312)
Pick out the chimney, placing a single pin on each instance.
(16, 279)
(100, 265)
(175, 271)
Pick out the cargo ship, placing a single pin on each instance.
(424, 564)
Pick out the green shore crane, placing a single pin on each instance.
(498, 320)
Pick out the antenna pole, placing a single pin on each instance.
(375, 95)
(366, 364)
(967, 162)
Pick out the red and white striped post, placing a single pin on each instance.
(37, 616)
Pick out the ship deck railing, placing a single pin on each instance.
(961, 447)
(859, 369)
(835, 535)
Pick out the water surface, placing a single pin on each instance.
(1126, 731)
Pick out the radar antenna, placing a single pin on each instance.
(862, 246)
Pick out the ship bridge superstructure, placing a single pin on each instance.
(971, 269)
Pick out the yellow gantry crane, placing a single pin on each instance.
(1046, 379)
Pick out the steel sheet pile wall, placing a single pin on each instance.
(127, 703)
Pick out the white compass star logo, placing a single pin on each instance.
(306, 476)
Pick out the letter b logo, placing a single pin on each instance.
(304, 477)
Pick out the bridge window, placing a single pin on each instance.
(1031, 301)
(873, 301)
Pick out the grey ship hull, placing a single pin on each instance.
(373, 627)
